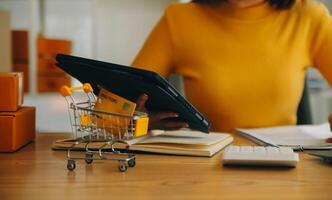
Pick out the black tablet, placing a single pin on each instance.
(130, 83)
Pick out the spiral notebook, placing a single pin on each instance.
(303, 137)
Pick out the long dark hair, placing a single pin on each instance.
(278, 4)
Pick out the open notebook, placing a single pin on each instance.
(297, 137)
(182, 142)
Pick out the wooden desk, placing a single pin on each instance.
(37, 172)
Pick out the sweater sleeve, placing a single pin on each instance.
(157, 52)
(322, 45)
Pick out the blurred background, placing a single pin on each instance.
(33, 31)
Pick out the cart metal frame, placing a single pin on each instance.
(90, 126)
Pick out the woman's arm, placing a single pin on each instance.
(157, 55)
(322, 44)
(157, 52)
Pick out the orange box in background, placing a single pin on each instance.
(48, 67)
(11, 90)
(20, 47)
(47, 47)
(17, 128)
(50, 77)
(52, 83)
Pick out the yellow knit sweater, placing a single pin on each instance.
(242, 67)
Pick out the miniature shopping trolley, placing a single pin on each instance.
(91, 127)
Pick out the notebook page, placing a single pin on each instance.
(321, 131)
(186, 137)
(292, 135)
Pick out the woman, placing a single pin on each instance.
(243, 61)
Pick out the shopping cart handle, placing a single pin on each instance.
(67, 91)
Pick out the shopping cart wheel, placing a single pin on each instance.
(88, 158)
(122, 166)
(71, 165)
(132, 162)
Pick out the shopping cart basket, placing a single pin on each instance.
(90, 126)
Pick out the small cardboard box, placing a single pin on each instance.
(11, 89)
(17, 128)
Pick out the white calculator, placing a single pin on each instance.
(259, 155)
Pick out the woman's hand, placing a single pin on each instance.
(160, 120)
(329, 140)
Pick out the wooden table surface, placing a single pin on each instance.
(37, 172)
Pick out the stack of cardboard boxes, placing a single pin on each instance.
(17, 122)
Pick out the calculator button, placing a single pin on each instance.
(233, 149)
(286, 150)
(259, 149)
(272, 149)
(246, 149)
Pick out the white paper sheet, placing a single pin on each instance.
(305, 136)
